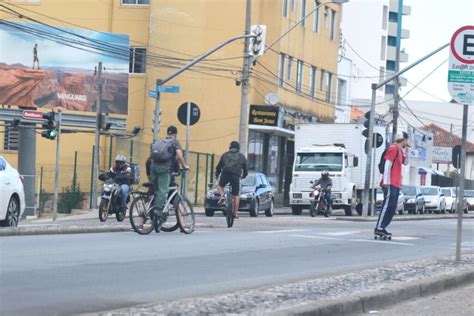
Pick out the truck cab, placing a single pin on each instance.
(307, 167)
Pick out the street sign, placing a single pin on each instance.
(167, 89)
(32, 115)
(152, 94)
(195, 113)
(442, 155)
(461, 65)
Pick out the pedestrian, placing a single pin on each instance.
(35, 57)
(395, 156)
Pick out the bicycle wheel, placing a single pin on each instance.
(171, 223)
(229, 214)
(184, 214)
(139, 214)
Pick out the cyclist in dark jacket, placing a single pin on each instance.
(231, 167)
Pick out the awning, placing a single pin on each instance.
(272, 130)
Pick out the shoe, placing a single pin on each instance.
(379, 232)
(157, 212)
(386, 232)
(236, 215)
(326, 214)
(221, 201)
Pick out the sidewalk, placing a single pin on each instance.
(341, 294)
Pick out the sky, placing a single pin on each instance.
(431, 25)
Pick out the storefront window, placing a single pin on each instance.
(255, 151)
(274, 161)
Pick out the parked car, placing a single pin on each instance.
(450, 197)
(256, 195)
(379, 201)
(414, 199)
(12, 195)
(434, 199)
(469, 195)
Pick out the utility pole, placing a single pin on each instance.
(244, 95)
(97, 137)
(56, 172)
(450, 144)
(156, 114)
(396, 95)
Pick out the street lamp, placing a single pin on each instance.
(304, 18)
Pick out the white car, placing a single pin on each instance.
(434, 199)
(12, 195)
(450, 197)
(469, 196)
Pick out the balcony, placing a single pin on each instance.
(391, 53)
(394, 7)
(392, 30)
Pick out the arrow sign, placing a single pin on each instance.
(152, 94)
(32, 115)
(168, 89)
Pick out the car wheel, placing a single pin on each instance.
(13, 213)
(269, 211)
(209, 212)
(254, 210)
(296, 209)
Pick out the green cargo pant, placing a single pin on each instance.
(160, 177)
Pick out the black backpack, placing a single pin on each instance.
(232, 163)
(382, 161)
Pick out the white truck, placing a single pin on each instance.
(340, 149)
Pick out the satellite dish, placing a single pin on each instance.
(272, 99)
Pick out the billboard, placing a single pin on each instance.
(53, 67)
(421, 150)
(442, 155)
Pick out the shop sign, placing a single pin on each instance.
(263, 115)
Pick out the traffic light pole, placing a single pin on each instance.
(374, 87)
(56, 172)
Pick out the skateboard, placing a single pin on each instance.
(382, 237)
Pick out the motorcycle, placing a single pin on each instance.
(318, 203)
(110, 199)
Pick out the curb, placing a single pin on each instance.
(377, 299)
(402, 218)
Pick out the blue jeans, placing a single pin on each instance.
(124, 194)
(389, 206)
(327, 197)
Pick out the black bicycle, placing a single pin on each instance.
(177, 206)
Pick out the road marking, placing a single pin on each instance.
(281, 231)
(405, 238)
(355, 240)
(341, 233)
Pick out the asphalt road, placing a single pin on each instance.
(67, 274)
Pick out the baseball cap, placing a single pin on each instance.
(401, 136)
(172, 130)
(235, 145)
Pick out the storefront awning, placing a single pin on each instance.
(272, 130)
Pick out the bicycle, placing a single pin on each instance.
(229, 206)
(141, 211)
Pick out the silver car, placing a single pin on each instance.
(434, 199)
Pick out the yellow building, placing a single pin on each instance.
(297, 77)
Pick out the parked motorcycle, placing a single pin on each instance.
(110, 199)
(318, 203)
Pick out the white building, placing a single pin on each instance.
(369, 39)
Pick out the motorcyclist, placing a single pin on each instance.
(121, 173)
(325, 183)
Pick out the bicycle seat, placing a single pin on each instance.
(148, 185)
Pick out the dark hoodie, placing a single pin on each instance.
(242, 172)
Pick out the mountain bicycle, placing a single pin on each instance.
(141, 211)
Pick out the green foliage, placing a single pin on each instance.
(71, 198)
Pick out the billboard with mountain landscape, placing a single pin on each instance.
(53, 67)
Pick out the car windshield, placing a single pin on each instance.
(446, 192)
(429, 191)
(409, 191)
(249, 180)
(318, 162)
(469, 193)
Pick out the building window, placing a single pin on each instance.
(381, 73)
(290, 66)
(10, 139)
(312, 81)
(329, 87)
(390, 65)
(384, 17)
(137, 60)
(389, 89)
(393, 17)
(332, 30)
(392, 41)
(316, 16)
(255, 151)
(383, 46)
(321, 81)
(281, 70)
(303, 12)
(136, 2)
(299, 75)
(327, 18)
(284, 7)
(293, 5)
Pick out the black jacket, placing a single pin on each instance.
(244, 170)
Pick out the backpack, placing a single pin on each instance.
(381, 164)
(163, 150)
(232, 163)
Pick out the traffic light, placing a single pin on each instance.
(49, 126)
(377, 140)
(257, 43)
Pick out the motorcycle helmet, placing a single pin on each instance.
(120, 160)
(325, 174)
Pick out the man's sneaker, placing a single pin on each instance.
(386, 232)
(157, 212)
(379, 232)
